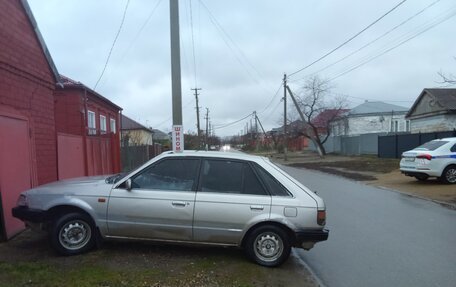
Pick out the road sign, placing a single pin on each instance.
(178, 138)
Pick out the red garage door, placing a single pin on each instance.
(15, 170)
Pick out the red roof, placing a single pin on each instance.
(322, 119)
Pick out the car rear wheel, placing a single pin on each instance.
(72, 234)
(268, 246)
(422, 177)
(449, 174)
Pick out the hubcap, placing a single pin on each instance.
(75, 234)
(268, 246)
(451, 175)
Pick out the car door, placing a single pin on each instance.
(230, 198)
(160, 203)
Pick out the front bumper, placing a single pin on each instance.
(27, 214)
(307, 239)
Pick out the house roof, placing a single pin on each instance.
(158, 134)
(446, 98)
(322, 119)
(376, 108)
(129, 124)
(70, 83)
(41, 41)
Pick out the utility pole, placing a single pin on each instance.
(197, 115)
(207, 128)
(285, 141)
(178, 131)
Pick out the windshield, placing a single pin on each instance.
(432, 145)
(115, 178)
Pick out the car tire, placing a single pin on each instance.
(449, 175)
(268, 245)
(73, 233)
(422, 177)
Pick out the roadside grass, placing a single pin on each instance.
(25, 261)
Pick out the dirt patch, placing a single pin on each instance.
(28, 260)
(374, 171)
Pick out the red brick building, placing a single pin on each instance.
(88, 131)
(27, 127)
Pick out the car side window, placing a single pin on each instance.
(227, 176)
(169, 174)
(453, 148)
(275, 187)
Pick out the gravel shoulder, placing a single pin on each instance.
(373, 171)
(28, 260)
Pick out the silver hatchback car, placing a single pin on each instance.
(194, 197)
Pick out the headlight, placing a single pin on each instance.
(22, 200)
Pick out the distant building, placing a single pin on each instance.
(371, 117)
(134, 133)
(158, 135)
(434, 110)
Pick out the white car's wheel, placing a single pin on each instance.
(72, 234)
(449, 174)
(268, 246)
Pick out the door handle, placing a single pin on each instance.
(256, 207)
(180, 203)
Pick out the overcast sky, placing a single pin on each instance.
(241, 50)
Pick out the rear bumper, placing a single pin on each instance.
(27, 214)
(307, 239)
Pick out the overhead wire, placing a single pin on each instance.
(349, 40)
(221, 126)
(113, 44)
(369, 43)
(272, 99)
(438, 22)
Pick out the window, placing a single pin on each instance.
(275, 188)
(102, 124)
(169, 174)
(432, 145)
(453, 148)
(407, 126)
(395, 126)
(91, 123)
(230, 177)
(112, 125)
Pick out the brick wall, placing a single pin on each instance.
(27, 84)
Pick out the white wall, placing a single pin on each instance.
(433, 124)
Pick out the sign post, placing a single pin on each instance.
(178, 138)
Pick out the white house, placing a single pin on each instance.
(371, 117)
(434, 110)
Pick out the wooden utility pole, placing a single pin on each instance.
(197, 115)
(285, 140)
(178, 131)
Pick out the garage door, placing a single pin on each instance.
(15, 170)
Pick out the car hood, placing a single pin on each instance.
(90, 186)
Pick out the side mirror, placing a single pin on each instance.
(128, 184)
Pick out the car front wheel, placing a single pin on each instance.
(449, 174)
(72, 234)
(268, 246)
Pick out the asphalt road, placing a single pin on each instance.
(380, 237)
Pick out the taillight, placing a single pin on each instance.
(321, 217)
(424, 156)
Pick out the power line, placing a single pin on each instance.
(395, 46)
(113, 44)
(221, 126)
(371, 42)
(272, 99)
(350, 39)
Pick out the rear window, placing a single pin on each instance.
(432, 145)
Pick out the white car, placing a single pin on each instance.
(193, 197)
(436, 158)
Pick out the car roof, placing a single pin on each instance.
(218, 154)
(446, 139)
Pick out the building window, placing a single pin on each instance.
(112, 125)
(91, 123)
(394, 126)
(102, 124)
(407, 126)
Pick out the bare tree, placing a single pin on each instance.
(448, 79)
(317, 111)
